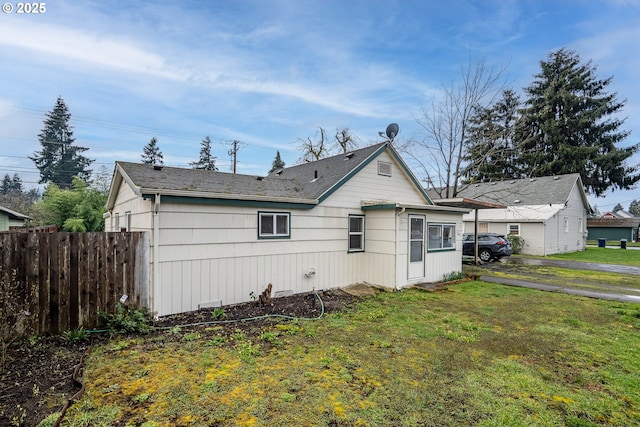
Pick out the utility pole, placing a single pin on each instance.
(234, 153)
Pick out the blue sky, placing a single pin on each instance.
(269, 73)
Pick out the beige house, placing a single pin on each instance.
(218, 238)
(549, 213)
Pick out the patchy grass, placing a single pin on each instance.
(603, 255)
(597, 281)
(476, 354)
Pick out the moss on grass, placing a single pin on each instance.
(475, 354)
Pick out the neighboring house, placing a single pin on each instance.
(9, 218)
(548, 213)
(617, 215)
(219, 238)
(613, 228)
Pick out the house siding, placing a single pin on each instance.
(437, 263)
(575, 239)
(129, 201)
(211, 254)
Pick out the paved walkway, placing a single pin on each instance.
(602, 291)
(579, 265)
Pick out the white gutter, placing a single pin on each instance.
(156, 252)
(398, 266)
(227, 196)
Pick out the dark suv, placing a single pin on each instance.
(490, 246)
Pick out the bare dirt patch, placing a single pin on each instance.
(37, 379)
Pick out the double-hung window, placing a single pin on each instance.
(441, 237)
(356, 233)
(274, 225)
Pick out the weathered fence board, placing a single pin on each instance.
(61, 281)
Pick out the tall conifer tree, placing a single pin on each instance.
(207, 161)
(278, 163)
(490, 152)
(59, 160)
(151, 154)
(570, 125)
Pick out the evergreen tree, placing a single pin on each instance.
(5, 187)
(16, 184)
(151, 154)
(59, 160)
(634, 208)
(277, 163)
(207, 161)
(617, 207)
(490, 152)
(568, 126)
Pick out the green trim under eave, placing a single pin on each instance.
(350, 175)
(229, 202)
(379, 207)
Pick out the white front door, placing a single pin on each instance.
(416, 246)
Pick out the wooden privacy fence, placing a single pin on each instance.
(54, 282)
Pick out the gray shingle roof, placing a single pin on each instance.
(303, 182)
(320, 176)
(170, 179)
(614, 222)
(529, 191)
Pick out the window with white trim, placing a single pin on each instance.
(566, 224)
(441, 236)
(513, 229)
(274, 225)
(116, 222)
(356, 233)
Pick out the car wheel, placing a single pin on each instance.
(485, 255)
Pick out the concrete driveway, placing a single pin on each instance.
(583, 287)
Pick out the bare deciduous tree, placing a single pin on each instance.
(314, 150)
(319, 147)
(345, 140)
(439, 152)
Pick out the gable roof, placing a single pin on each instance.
(632, 222)
(303, 185)
(546, 190)
(617, 214)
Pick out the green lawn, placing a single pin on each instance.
(615, 243)
(475, 354)
(603, 255)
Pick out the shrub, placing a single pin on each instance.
(517, 243)
(127, 319)
(76, 335)
(454, 275)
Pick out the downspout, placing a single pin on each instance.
(156, 251)
(475, 238)
(398, 266)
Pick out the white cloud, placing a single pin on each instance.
(92, 48)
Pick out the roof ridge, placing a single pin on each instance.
(330, 158)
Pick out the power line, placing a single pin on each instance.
(104, 124)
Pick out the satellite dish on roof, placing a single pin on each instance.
(392, 131)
